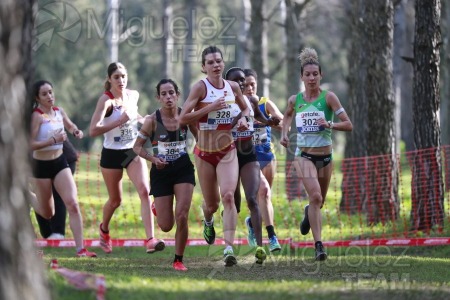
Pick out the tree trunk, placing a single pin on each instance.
(167, 41)
(445, 79)
(114, 32)
(189, 42)
(370, 185)
(399, 40)
(242, 59)
(427, 187)
(445, 66)
(259, 54)
(21, 275)
(294, 44)
(353, 181)
(406, 52)
(382, 201)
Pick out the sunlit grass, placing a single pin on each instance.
(337, 225)
(350, 273)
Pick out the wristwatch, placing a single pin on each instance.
(331, 124)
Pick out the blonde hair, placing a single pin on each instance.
(308, 56)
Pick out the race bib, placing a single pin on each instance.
(306, 122)
(238, 135)
(171, 150)
(127, 133)
(260, 135)
(223, 116)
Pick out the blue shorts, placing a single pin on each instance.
(264, 155)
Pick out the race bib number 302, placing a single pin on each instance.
(306, 122)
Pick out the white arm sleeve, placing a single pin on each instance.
(339, 111)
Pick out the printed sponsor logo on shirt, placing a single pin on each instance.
(219, 121)
(309, 129)
(310, 114)
(241, 134)
(171, 144)
(172, 157)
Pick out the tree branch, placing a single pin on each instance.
(408, 59)
(274, 10)
(277, 67)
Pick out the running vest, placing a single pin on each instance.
(309, 134)
(247, 134)
(263, 133)
(123, 136)
(166, 144)
(49, 127)
(218, 119)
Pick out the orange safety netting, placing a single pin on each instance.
(380, 198)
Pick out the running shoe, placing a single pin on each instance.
(179, 266)
(260, 255)
(304, 225)
(55, 236)
(85, 253)
(209, 233)
(274, 245)
(251, 239)
(154, 245)
(105, 241)
(320, 252)
(229, 259)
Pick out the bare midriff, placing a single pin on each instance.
(214, 140)
(47, 154)
(325, 150)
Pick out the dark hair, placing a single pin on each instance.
(111, 69)
(36, 88)
(250, 72)
(231, 70)
(164, 81)
(209, 50)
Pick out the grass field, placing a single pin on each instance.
(350, 273)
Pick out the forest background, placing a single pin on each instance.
(156, 39)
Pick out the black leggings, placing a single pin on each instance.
(57, 224)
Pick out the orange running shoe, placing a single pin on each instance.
(105, 241)
(154, 245)
(178, 265)
(85, 253)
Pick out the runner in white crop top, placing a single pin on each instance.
(124, 135)
(116, 118)
(50, 164)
